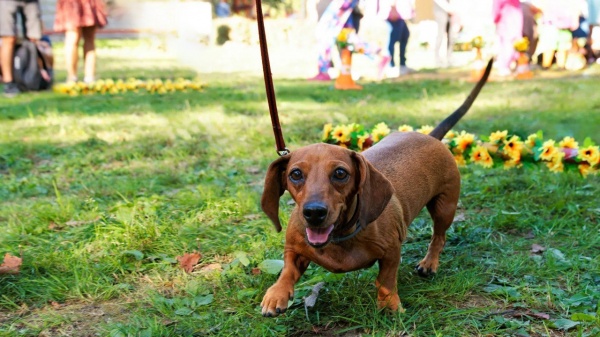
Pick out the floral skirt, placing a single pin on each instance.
(74, 14)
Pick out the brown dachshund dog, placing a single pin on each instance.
(353, 210)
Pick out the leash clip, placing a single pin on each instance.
(283, 152)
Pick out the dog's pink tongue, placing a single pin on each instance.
(318, 235)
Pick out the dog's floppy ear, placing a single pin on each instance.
(374, 189)
(274, 187)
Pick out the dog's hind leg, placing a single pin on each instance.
(442, 209)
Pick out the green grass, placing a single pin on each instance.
(100, 194)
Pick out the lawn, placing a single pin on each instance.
(101, 194)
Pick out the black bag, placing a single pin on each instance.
(27, 71)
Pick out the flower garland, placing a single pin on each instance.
(110, 86)
(498, 149)
(522, 45)
(348, 39)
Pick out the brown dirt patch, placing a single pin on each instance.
(67, 319)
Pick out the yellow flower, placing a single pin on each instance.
(354, 127)
(522, 45)
(379, 131)
(477, 42)
(425, 129)
(327, 130)
(451, 134)
(463, 140)
(498, 136)
(344, 34)
(513, 162)
(590, 154)
(361, 140)
(549, 150)
(481, 156)
(586, 169)
(405, 128)
(341, 133)
(460, 160)
(569, 143)
(556, 163)
(531, 140)
(513, 147)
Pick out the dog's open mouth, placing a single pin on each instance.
(318, 236)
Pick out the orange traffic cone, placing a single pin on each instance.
(523, 70)
(478, 67)
(345, 81)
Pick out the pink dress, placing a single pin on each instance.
(508, 18)
(74, 14)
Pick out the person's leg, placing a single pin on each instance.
(451, 33)
(89, 53)
(7, 51)
(404, 34)
(32, 20)
(71, 53)
(564, 45)
(441, 19)
(590, 55)
(394, 37)
(8, 32)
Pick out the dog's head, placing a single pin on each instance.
(323, 180)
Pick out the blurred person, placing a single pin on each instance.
(397, 13)
(593, 21)
(32, 24)
(530, 27)
(576, 57)
(223, 9)
(559, 18)
(80, 18)
(508, 18)
(337, 15)
(445, 16)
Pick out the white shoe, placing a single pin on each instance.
(404, 70)
(391, 72)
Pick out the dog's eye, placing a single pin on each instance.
(340, 174)
(296, 175)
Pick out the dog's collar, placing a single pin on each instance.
(353, 221)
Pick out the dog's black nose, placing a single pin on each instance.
(315, 213)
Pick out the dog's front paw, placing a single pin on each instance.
(387, 299)
(427, 267)
(276, 300)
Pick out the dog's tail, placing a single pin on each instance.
(440, 131)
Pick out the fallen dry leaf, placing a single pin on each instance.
(252, 216)
(188, 261)
(253, 170)
(459, 217)
(310, 300)
(535, 248)
(52, 226)
(211, 267)
(519, 314)
(74, 223)
(540, 315)
(11, 264)
(529, 235)
(256, 271)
